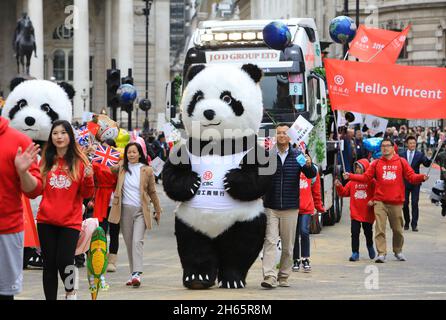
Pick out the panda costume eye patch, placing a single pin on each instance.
(236, 105)
(197, 97)
(18, 106)
(50, 112)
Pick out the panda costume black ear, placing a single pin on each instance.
(253, 71)
(15, 82)
(68, 88)
(194, 71)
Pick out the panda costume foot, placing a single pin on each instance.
(197, 281)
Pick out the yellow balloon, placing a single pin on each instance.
(122, 139)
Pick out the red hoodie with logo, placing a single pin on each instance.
(310, 195)
(360, 194)
(389, 176)
(62, 197)
(11, 211)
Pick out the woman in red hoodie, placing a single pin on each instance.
(361, 208)
(310, 198)
(68, 178)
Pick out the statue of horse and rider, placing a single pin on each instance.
(24, 43)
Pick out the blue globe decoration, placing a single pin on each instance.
(373, 145)
(127, 93)
(342, 29)
(276, 35)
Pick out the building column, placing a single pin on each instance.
(35, 13)
(81, 58)
(125, 34)
(108, 32)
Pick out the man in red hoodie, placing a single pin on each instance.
(19, 173)
(389, 172)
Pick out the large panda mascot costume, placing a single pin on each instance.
(32, 107)
(217, 176)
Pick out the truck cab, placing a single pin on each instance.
(290, 84)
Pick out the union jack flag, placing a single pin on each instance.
(268, 143)
(302, 146)
(106, 156)
(83, 136)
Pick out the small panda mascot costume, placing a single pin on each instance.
(33, 106)
(216, 175)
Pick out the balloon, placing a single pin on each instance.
(127, 93)
(373, 145)
(342, 29)
(121, 141)
(108, 129)
(276, 35)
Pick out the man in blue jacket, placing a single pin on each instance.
(282, 204)
(415, 159)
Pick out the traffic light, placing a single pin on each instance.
(128, 79)
(125, 102)
(113, 83)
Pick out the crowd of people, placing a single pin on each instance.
(120, 196)
(69, 184)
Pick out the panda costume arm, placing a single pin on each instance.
(179, 181)
(246, 183)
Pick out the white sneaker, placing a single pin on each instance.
(400, 256)
(380, 259)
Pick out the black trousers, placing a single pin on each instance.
(415, 191)
(113, 229)
(356, 230)
(58, 247)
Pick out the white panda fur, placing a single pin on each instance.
(37, 93)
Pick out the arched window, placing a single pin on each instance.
(59, 64)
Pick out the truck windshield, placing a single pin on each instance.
(279, 97)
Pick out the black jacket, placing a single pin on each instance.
(283, 193)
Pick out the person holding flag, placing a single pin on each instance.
(389, 172)
(68, 179)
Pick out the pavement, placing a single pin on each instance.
(332, 276)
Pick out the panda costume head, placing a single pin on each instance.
(33, 105)
(222, 102)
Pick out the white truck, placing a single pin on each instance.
(290, 85)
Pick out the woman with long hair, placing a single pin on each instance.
(68, 178)
(134, 190)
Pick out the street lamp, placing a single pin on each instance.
(146, 12)
(84, 96)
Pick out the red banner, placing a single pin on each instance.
(31, 237)
(377, 45)
(387, 90)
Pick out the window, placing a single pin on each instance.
(70, 66)
(59, 65)
(62, 33)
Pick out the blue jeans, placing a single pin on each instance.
(302, 231)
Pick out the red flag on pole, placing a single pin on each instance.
(31, 237)
(369, 41)
(390, 53)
